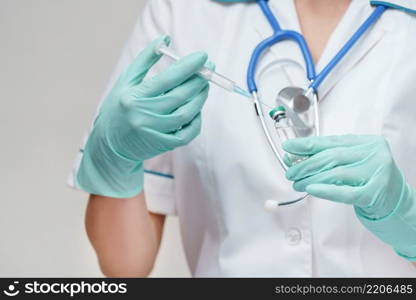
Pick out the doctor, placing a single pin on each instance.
(163, 143)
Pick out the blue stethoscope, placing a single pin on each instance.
(295, 101)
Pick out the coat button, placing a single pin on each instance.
(293, 236)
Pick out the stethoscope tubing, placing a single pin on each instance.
(279, 35)
(266, 131)
(371, 20)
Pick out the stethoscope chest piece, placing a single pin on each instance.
(295, 112)
(294, 97)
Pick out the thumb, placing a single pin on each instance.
(138, 69)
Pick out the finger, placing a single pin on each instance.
(187, 133)
(286, 159)
(175, 98)
(178, 96)
(323, 161)
(138, 69)
(173, 76)
(181, 117)
(342, 194)
(170, 141)
(291, 160)
(337, 176)
(313, 145)
(210, 65)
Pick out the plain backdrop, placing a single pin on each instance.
(56, 57)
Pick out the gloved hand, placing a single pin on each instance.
(141, 119)
(359, 170)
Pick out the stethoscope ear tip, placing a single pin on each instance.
(271, 205)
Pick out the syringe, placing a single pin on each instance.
(207, 73)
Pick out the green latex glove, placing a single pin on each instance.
(359, 170)
(141, 119)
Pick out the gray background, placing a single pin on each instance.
(56, 57)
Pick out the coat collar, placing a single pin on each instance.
(408, 6)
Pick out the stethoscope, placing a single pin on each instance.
(293, 102)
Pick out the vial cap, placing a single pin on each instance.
(276, 110)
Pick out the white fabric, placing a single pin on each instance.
(222, 179)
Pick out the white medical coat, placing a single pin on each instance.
(218, 184)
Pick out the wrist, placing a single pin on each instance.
(398, 229)
(105, 172)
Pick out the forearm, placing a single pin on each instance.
(124, 234)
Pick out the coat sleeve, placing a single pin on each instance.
(155, 20)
